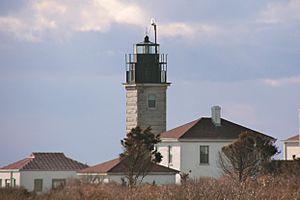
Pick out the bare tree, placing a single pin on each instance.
(245, 157)
(139, 154)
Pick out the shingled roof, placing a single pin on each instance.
(204, 128)
(46, 162)
(117, 166)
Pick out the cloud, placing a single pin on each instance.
(98, 15)
(282, 81)
(58, 18)
(281, 12)
(18, 28)
(66, 16)
(42, 19)
(188, 30)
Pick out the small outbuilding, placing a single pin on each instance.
(291, 145)
(40, 172)
(291, 148)
(114, 171)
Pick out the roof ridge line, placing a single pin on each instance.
(196, 121)
(75, 161)
(30, 160)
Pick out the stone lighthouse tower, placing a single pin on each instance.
(146, 86)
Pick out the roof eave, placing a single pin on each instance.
(169, 139)
(205, 140)
(291, 141)
(91, 174)
(10, 170)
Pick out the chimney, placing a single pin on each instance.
(216, 115)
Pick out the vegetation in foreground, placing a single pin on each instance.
(266, 187)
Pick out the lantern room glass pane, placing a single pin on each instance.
(145, 49)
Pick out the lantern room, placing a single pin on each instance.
(146, 64)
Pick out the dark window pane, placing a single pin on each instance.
(204, 153)
(151, 101)
(38, 185)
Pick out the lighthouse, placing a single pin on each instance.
(146, 86)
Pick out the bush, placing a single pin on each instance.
(264, 187)
(14, 193)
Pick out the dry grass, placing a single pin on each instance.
(266, 187)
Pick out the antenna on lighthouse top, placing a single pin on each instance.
(153, 23)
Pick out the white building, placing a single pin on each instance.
(40, 171)
(291, 146)
(194, 147)
(114, 171)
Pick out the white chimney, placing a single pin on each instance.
(216, 115)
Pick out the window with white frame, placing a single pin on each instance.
(151, 101)
(0, 182)
(204, 154)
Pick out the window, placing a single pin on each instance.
(204, 152)
(58, 183)
(0, 182)
(151, 101)
(38, 185)
(8, 183)
(170, 157)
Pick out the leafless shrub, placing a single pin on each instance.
(263, 187)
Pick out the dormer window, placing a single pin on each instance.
(151, 101)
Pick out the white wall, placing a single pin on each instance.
(291, 148)
(175, 151)
(159, 179)
(27, 178)
(186, 157)
(6, 175)
(190, 159)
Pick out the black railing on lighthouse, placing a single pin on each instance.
(146, 68)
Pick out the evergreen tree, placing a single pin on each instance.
(139, 154)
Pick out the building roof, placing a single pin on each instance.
(204, 128)
(46, 162)
(117, 166)
(293, 138)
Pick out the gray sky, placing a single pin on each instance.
(62, 65)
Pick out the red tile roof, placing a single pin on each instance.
(204, 128)
(46, 162)
(117, 166)
(294, 138)
(102, 167)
